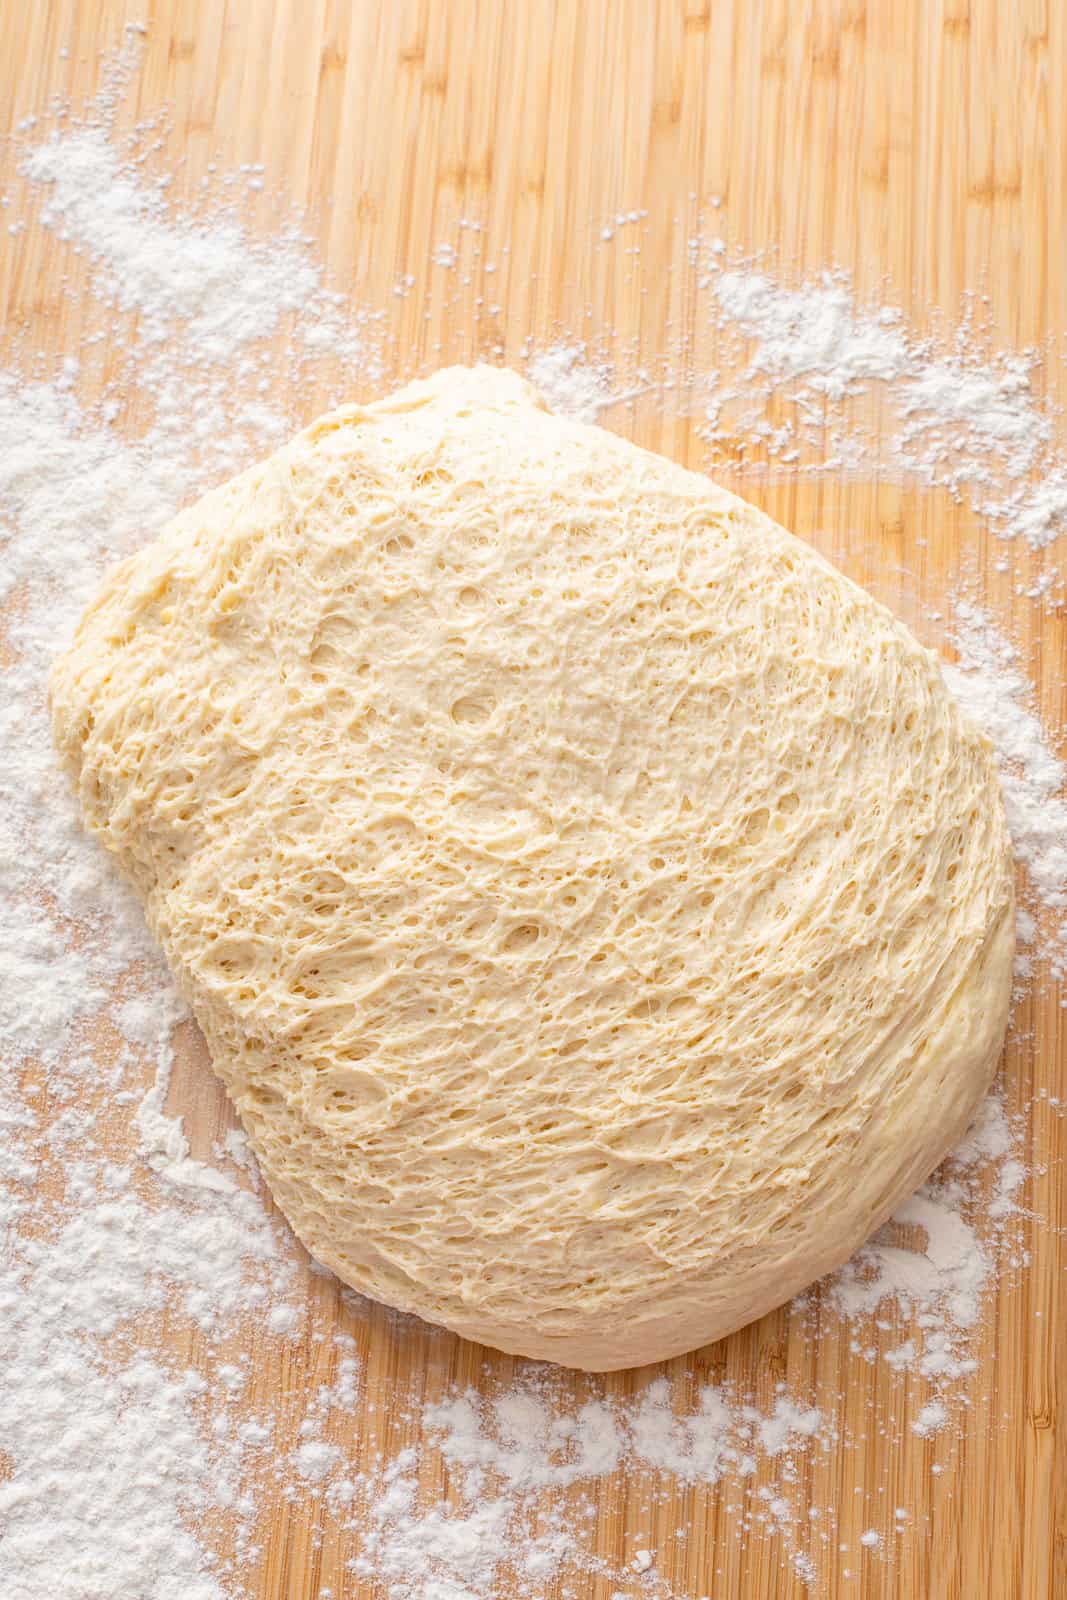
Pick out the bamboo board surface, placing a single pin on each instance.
(916, 142)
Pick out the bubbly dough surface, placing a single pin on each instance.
(596, 905)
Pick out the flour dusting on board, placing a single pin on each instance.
(949, 416)
(131, 1470)
(989, 682)
(570, 383)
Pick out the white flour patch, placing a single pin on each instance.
(940, 1254)
(508, 1451)
(814, 333)
(931, 1419)
(206, 282)
(437, 1553)
(991, 686)
(109, 1465)
(525, 1440)
(574, 385)
(315, 1459)
(569, 383)
(957, 418)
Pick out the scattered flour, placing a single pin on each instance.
(990, 685)
(957, 419)
(813, 333)
(315, 1459)
(505, 1450)
(931, 1419)
(569, 383)
(437, 1553)
(524, 1440)
(109, 1466)
(207, 283)
(124, 1471)
(805, 1568)
(938, 1255)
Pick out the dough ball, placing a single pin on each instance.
(597, 907)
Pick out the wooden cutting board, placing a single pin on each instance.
(921, 143)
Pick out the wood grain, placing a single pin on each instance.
(920, 144)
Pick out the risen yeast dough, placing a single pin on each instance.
(597, 907)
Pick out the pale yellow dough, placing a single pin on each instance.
(597, 907)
